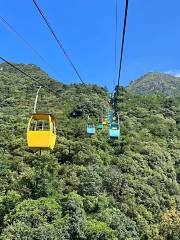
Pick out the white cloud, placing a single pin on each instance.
(175, 73)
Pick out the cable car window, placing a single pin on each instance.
(115, 126)
(39, 125)
(53, 128)
(45, 125)
(33, 125)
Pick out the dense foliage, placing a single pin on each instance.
(89, 187)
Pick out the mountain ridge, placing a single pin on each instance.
(155, 83)
(148, 84)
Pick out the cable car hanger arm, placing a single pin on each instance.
(36, 99)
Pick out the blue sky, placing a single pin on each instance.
(87, 31)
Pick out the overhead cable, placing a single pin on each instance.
(57, 40)
(12, 29)
(29, 76)
(123, 38)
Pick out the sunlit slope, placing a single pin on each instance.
(88, 187)
(156, 83)
(18, 95)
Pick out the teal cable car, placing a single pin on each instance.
(91, 130)
(100, 121)
(114, 129)
(100, 125)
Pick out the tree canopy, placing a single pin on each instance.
(88, 187)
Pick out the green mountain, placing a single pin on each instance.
(156, 83)
(88, 187)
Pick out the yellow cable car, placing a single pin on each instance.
(41, 131)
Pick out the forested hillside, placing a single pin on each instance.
(156, 83)
(88, 188)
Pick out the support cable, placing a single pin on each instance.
(115, 42)
(12, 29)
(123, 37)
(57, 40)
(29, 76)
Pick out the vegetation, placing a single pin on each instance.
(88, 188)
(156, 83)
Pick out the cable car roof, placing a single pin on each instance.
(42, 116)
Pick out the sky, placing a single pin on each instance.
(86, 29)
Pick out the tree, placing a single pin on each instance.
(35, 219)
(170, 222)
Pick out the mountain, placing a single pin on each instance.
(88, 187)
(156, 83)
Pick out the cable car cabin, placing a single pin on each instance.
(100, 122)
(100, 119)
(106, 121)
(114, 130)
(100, 125)
(41, 131)
(91, 129)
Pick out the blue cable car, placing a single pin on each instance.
(114, 130)
(91, 130)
